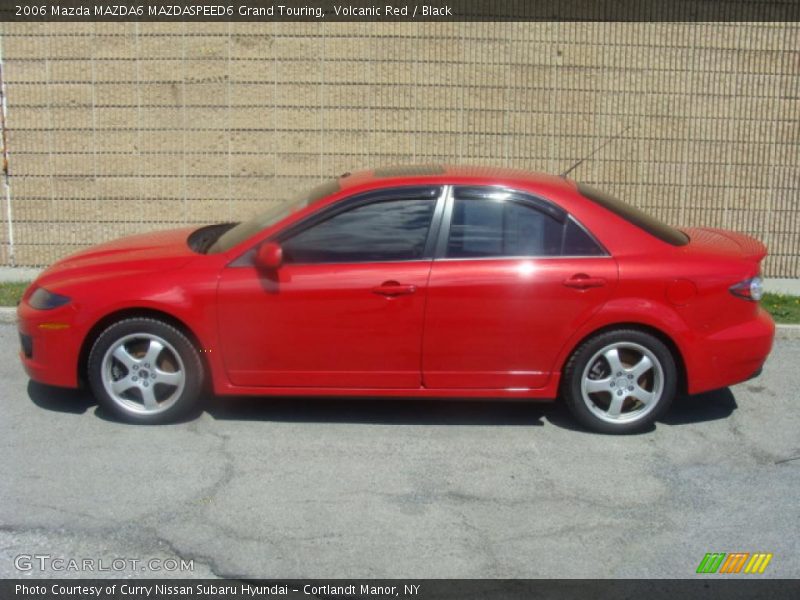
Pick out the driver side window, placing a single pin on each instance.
(387, 230)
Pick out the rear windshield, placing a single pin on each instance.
(633, 215)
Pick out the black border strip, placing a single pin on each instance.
(33, 11)
(741, 587)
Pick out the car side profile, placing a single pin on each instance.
(409, 282)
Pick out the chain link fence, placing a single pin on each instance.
(114, 129)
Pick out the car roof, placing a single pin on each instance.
(455, 174)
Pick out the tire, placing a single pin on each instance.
(620, 381)
(145, 371)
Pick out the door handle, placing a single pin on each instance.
(393, 288)
(582, 281)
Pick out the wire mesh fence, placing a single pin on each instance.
(116, 128)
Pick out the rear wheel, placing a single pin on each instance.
(145, 371)
(620, 381)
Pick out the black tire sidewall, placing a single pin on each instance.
(193, 366)
(577, 363)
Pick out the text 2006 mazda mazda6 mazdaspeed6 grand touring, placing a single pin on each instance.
(409, 282)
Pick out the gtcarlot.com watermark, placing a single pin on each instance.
(62, 564)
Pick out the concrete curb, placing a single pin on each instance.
(787, 332)
(8, 315)
(11, 274)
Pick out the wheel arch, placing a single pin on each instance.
(131, 313)
(668, 341)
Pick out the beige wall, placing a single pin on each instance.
(121, 128)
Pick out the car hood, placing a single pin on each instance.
(159, 250)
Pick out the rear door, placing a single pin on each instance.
(514, 275)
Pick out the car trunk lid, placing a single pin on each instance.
(724, 242)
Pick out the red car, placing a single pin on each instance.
(411, 282)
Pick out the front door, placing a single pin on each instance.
(346, 308)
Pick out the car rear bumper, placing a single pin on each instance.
(732, 355)
(49, 345)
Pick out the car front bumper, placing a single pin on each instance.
(49, 344)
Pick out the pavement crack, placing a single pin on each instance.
(786, 460)
(141, 541)
(205, 560)
(228, 470)
(207, 493)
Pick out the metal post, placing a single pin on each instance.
(4, 142)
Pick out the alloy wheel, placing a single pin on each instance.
(622, 382)
(143, 373)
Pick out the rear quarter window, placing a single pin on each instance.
(579, 243)
(635, 216)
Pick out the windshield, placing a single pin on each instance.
(241, 231)
(635, 216)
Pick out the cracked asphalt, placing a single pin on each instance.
(386, 488)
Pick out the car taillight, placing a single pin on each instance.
(749, 289)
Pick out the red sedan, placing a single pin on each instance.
(411, 282)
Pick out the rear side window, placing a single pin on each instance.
(485, 228)
(388, 230)
(489, 222)
(635, 216)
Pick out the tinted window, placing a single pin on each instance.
(485, 228)
(633, 215)
(579, 243)
(381, 231)
(277, 211)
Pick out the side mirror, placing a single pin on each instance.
(269, 256)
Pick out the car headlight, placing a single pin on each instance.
(42, 299)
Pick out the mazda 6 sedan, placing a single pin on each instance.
(409, 282)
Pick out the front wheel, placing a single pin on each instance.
(145, 371)
(620, 381)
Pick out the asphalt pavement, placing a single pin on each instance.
(304, 488)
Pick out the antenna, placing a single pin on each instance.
(595, 151)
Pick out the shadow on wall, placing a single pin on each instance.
(710, 406)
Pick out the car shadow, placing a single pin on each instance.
(394, 411)
(685, 410)
(60, 399)
(699, 408)
(323, 410)
(75, 401)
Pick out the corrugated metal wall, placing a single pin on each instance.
(120, 128)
